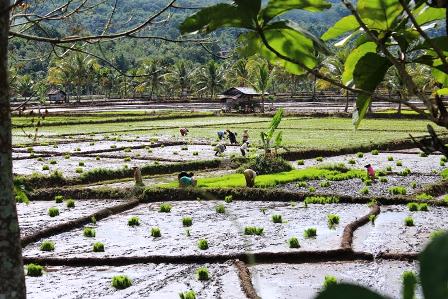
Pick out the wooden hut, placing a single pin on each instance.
(240, 99)
(57, 96)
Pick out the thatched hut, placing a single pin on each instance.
(57, 96)
(241, 99)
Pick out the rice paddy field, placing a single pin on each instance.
(90, 232)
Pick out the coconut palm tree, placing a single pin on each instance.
(211, 78)
(262, 80)
(180, 78)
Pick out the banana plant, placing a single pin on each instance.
(266, 137)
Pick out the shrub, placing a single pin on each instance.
(424, 196)
(375, 152)
(187, 221)
(34, 270)
(390, 158)
(293, 243)
(324, 184)
(187, 295)
(364, 190)
(155, 232)
(423, 207)
(47, 246)
(266, 165)
(310, 232)
(165, 208)
(332, 220)
(70, 203)
(98, 247)
(79, 170)
(397, 190)
(372, 219)
(277, 218)
(202, 273)
(45, 167)
(412, 206)
(302, 184)
(203, 244)
(134, 221)
(359, 155)
(89, 232)
(220, 209)
(319, 159)
(228, 198)
(330, 281)
(121, 282)
(253, 230)
(53, 162)
(300, 162)
(321, 199)
(59, 198)
(408, 221)
(195, 154)
(351, 161)
(53, 212)
(312, 189)
(399, 163)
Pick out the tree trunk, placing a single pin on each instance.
(399, 103)
(346, 101)
(12, 280)
(262, 102)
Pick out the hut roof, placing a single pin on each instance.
(234, 91)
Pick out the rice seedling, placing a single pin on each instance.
(310, 232)
(321, 199)
(34, 270)
(59, 198)
(187, 295)
(300, 162)
(324, 184)
(360, 155)
(79, 170)
(405, 172)
(127, 159)
(53, 162)
(228, 198)
(293, 242)
(302, 184)
(412, 206)
(424, 196)
(203, 244)
(220, 209)
(184, 148)
(351, 161)
(423, 207)
(389, 168)
(92, 143)
(53, 212)
(413, 185)
(98, 247)
(70, 203)
(155, 232)
(319, 159)
(134, 221)
(165, 208)
(121, 282)
(187, 221)
(372, 219)
(399, 163)
(397, 190)
(47, 246)
(383, 180)
(423, 155)
(375, 152)
(127, 150)
(277, 218)
(97, 158)
(113, 146)
(390, 158)
(364, 190)
(78, 149)
(312, 189)
(175, 153)
(40, 159)
(187, 233)
(263, 210)
(444, 159)
(195, 153)
(332, 220)
(253, 230)
(408, 221)
(45, 167)
(89, 232)
(67, 156)
(202, 273)
(93, 220)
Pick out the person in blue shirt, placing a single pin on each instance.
(186, 179)
(221, 134)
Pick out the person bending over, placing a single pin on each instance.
(183, 131)
(250, 176)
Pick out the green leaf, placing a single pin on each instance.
(438, 73)
(353, 58)
(426, 14)
(215, 17)
(348, 291)
(252, 7)
(379, 14)
(343, 26)
(442, 92)
(278, 7)
(434, 270)
(368, 74)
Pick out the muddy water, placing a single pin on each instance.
(304, 281)
(224, 232)
(389, 234)
(353, 187)
(417, 164)
(148, 281)
(34, 216)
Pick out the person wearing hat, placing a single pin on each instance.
(250, 176)
(244, 147)
(138, 176)
(245, 136)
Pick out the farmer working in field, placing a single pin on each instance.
(186, 179)
(220, 148)
(221, 134)
(250, 176)
(245, 136)
(232, 137)
(244, 148)
(370, 172)
(184, 131)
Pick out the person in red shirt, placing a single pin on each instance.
(184, 131)
(370, 171)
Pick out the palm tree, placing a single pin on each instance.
(210, 78)
(262, 81)
(180, 78)
(154, 76)
(239, 74)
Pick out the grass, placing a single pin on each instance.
(220, 209)
(203, 244)
(253, 230)
(310, 232)
(408, 221)
(187, 295)
(397, 190)
(121, 282)
(89, 232)
(155, 232)
(293, 242)
(165, 208)
(228, 198)
(70, 203)
(413, 185)
(98, 247)
(321, 199)
(389, 168)
(59, 198)
(53, 212)
(187, 221)
(134, 221)
(330, 281)
(34, 270)
(202, 274)
(332, 220)
(277, 219)
(47, 246)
